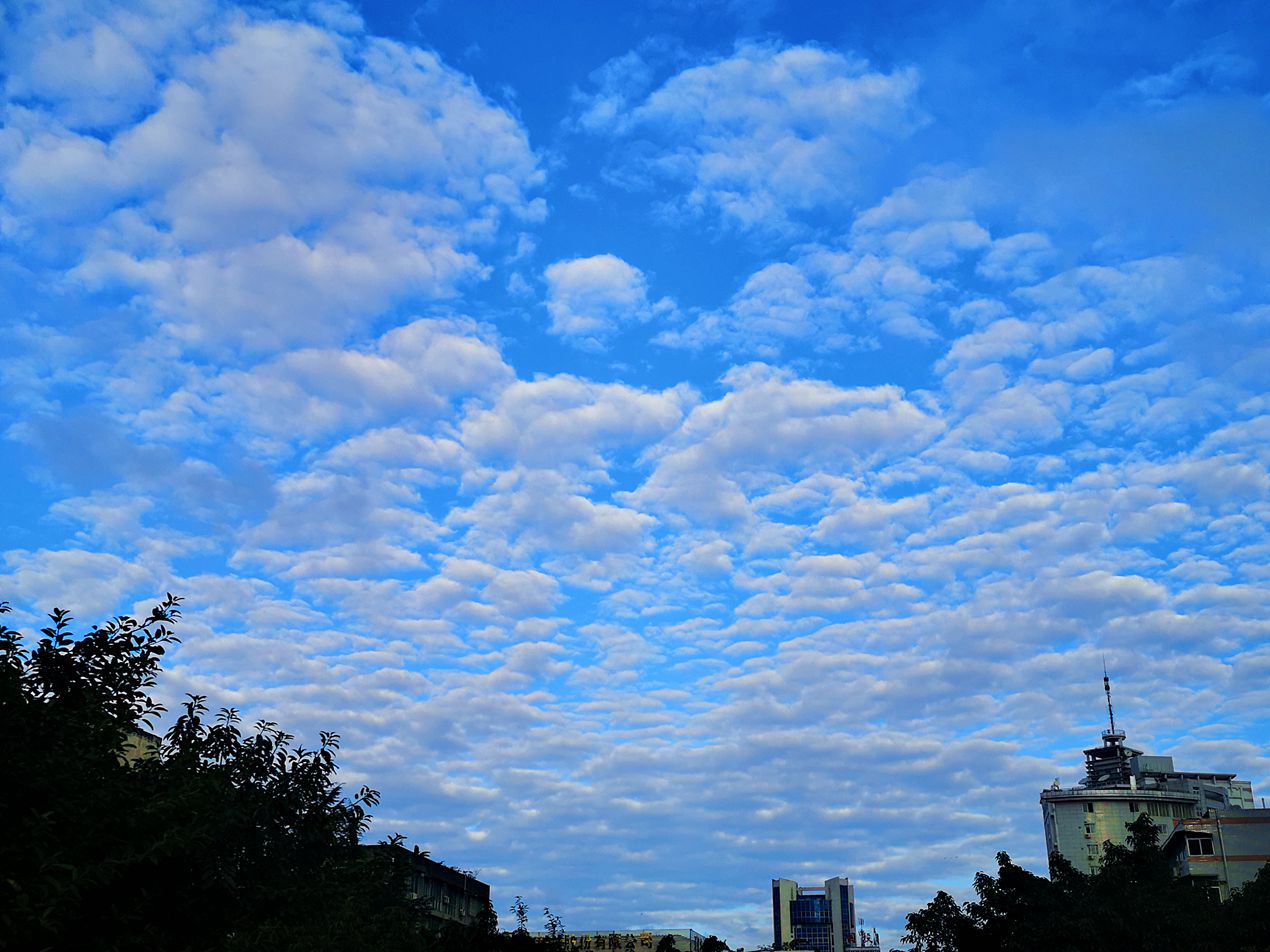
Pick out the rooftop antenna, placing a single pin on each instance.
(1106, 686)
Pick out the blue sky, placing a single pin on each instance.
(675, 444)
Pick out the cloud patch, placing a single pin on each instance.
(410, 374)
(765, 135)
(288, 182)
(591, 299)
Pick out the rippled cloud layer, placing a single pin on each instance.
(723, 448)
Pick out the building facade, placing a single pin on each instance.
(1122, 783)
(445, 895)
(819, 918)
(1221, 851)
(643, 940)
(139, 745)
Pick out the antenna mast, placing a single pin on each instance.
(1106, 686)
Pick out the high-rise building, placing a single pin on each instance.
(819, 918)
(1120, 784)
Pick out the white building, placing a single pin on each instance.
(1122, 783)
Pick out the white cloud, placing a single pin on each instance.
(937, 244)
(370, 559)
(1001, 340)
(398, 451)
(320, 510)
(1210, 72)
(1079, 365)
(888, 276)
(620, 80)
(1014, 418)
(1226, 481)
(860, 521)
(556, 421)
(1020, 258)
(771, 423)
(1092, 299)
(768, 133)
(709, 558)
(94, 65)
(590, 299)
(944, 195)
(289, 184)
(532, 513)
(411, 373)
(89, 584)
(827, 298)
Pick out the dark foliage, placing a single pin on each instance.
(1132, 903)
(211, 838)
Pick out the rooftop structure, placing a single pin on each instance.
(1122, 783)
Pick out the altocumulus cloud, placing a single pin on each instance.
(259, 182)
(765, 134)
(812, 575)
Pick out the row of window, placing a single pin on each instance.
(1151, 808)
(1195, 846)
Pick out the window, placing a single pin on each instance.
(1199, 845)
(1133, 806)
(1089, 807)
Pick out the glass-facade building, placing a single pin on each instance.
(815, 918)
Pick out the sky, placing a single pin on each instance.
(675, 444)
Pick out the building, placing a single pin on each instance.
(139, 745)
(642, 940)
(819, 918)
(444, 894)
(1220, 851)
(1120, 784)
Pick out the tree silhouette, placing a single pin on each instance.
(211, 837)
(1131, 903)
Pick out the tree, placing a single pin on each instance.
(943, 926)
(555, 937)
(220, 839)
(1132, 902)
(521, 911)
(1018, 910)
(68, 705)
(713, 943)
(213, 837)
(1248, 922)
